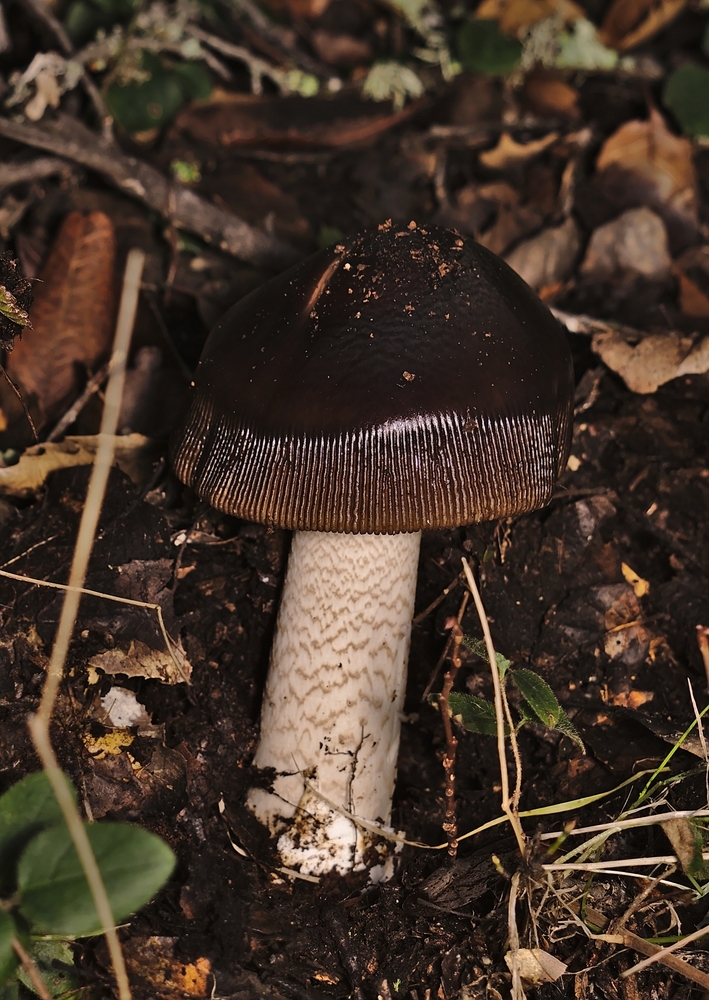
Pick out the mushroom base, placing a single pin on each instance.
(334, 695)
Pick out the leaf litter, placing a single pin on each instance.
(562, 598)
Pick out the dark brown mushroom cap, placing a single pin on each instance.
(402, 379)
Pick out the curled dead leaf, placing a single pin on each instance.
(517, 16)
(72, 314)
(134, 454)
(508, 152)
(643, 163)
(629, 23)
(535, 965)
(656, 359)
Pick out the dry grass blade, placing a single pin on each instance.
(39, 723)
(509, 802)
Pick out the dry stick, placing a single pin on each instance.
(659, 954)
(450, 823)
(39, 723)
(91, 387)
(18, 393)
(703, 643)
(509, 803)
(65, 136)
(31, 969)
(34, 170)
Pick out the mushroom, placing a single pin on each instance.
(400, 380)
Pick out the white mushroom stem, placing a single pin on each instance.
(334, 694)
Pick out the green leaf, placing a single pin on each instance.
(9, 991)
(195, 80)
(686, 94)
(139, 107)
(54, 894)
(25, 809)
(538, 695)
(475, 714)
(482, 47)
(565, 726)
(480, 649)
(8, 959)
(55, 963)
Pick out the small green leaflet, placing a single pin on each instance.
(480, 649)
(542, 701)
(475, 714)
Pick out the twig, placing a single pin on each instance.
(39, 723)
(509, 803)
(34, 170)
(257, 67)
(91, 387)
(656, 954)
(43, 13)
(275, 35)
(703, 643)
(450, 823)
(18, 393)
(513, 934)
(64, 136)
(31, 969)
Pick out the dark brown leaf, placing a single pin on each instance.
(72, 314)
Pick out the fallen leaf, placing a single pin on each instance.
(112, 742)
(141, 660)
(640, 587)
(633, 245)
(535, 965)
(134, 454)
(687, 843)
(629, 23)
(549, 257)
(153, 959)
(508, 152)
(516, 16)
(72, 314)
(290, 122)
(656, 359)
(643, 163)
(692, 271)
(548, 94)
(300, 8)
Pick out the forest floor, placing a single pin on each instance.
(600, 593)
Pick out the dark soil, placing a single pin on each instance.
(558, 590)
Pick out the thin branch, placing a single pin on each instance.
(39, 723)
(91, 388)
(33, 170)
(18, 392)
(64, 136)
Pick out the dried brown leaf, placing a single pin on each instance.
(629, 23)
(508, 152)
(643, 163)
(516, 16)
(548, 94)
(289, 122)
(72, 314)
